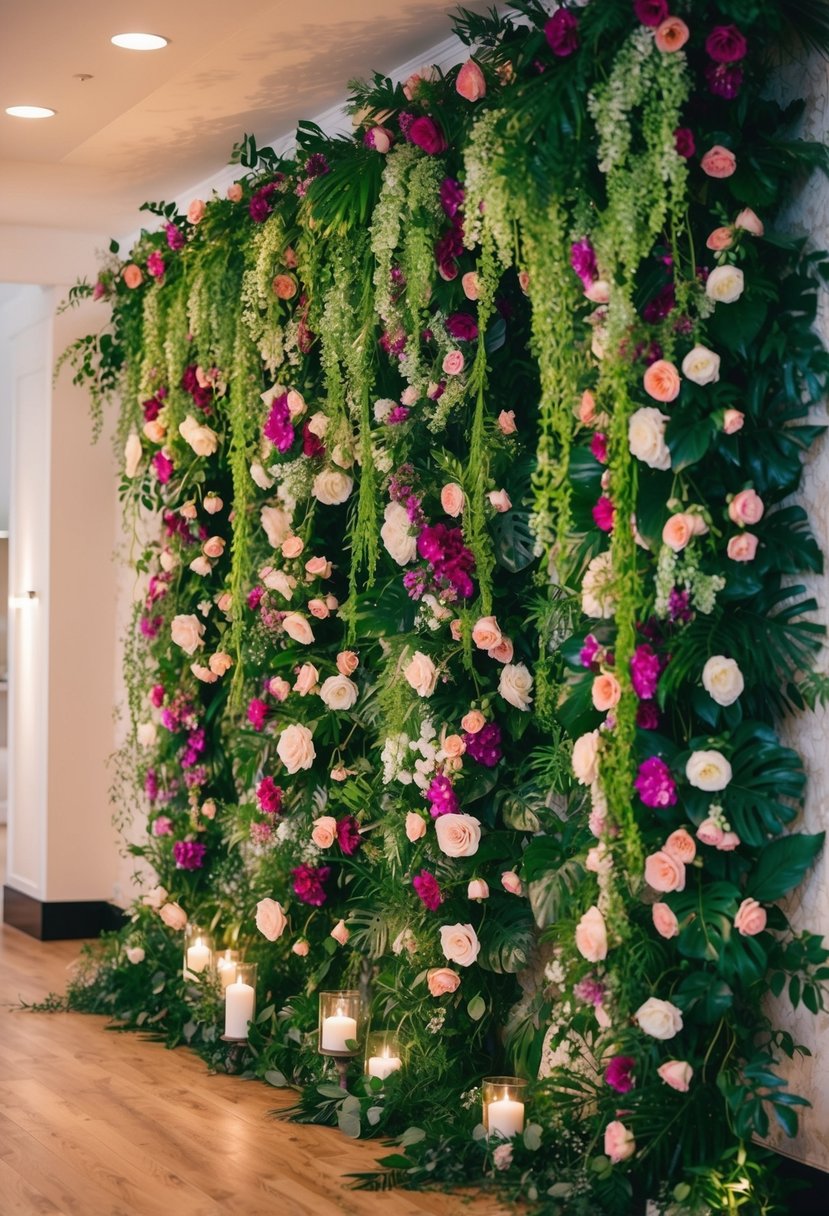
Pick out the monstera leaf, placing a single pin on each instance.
(513, 541)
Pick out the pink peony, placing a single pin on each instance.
(719, 162)
(680, 845)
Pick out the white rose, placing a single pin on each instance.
(396, 534)
(586, 758)
(278, 580)
(338, 692)
(709, 771)
(270, 919)
(201, 565)
(646, 437)
(187, 632)
(459, 944)
(298, 628)
(383, 408)
(458, 835)
(515, 684)
(277, 525)
(659, 1019)
(722, 679)
(332, 487)
(201, 439)
(421, 674)
(135, 954)
(132, 455)
(725, 284)
(296, 747)
(259, 476)
(146, 733)
(596, 597)
(318, 424)
(701, 366)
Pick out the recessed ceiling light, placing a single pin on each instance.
(139, 42)
(30, 112)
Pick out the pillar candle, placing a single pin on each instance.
(336, 1031)
(381, 1066)
(505, 1116)
(198, 956)
(227, 969)
(240, 1000)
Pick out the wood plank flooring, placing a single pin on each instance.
(94, 1123)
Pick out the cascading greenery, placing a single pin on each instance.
(464, 446)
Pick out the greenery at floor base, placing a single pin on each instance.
(458, 457)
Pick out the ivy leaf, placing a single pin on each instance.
(782, 865)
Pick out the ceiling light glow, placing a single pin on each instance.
(30, 112)
(139, 42)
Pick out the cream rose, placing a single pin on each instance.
(201, 565)
(677, 1074)
(478, 889)
(421, 674)
(515, 684)
(659, 1019)
(701, 366)
(338, 692)
(306, 680)
(277, 525)
(270, 919)
(646, 437)
(220, 662)
(591, 936)
(298, 628)
(132, 455)
(458, 835)
(415, 826)
(296, 747)
(725, 284)
(708, 770)
(396, 534)
(597, 599)
(259, 476)
(174, 916)
(722, 679)
(332, 487)
(451, 499)
(187, 631)
(146, 733)
(485, 633)
(586, 758)
(459, 944)
(154, 898)
(201, 439)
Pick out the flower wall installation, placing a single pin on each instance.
(471, 602)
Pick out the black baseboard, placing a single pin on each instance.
(806, 1188)
(60, 920)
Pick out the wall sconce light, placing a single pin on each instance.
(19, 601)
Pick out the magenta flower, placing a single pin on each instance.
(684, 142)
(647, 715)
(163, 466)
(162, 826)
(619, 1074)
(348, 835)
(654, 783)
(309, 884)
(257, 713)
(157, 695)
(461, 326)
(278, 426)
(651, 12)
(255, 598)
(589, 650)
(261, 833)
(724, 80)
(583, 261)
(426, 134)
(150, 625)
(175, 238)
(155, 265)
(562, 33)
(269, 796)
(726, 44)
(151, 785)
(428, 891)
(598, 447)
(603, 512)
(189, 854)
(441, 795)
(451, 197)
(645, 667)
(589, 990)
(485, 746)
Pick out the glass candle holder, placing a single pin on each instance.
(503, 1105)
(226, 961)
(340, 1024)
(383, 1054)
(198, 952)
(240, 1001)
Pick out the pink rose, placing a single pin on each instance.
(300, 948)
(591, 936)
(524, 281)
(664, 920)
(347, 662)
(662, 381)
(742, 548)
(298, 628)
(719, 162)
(270, 919)
(473, 721)
(220, 662)
(441, 980)
(415, 826)
(451, 499)
(677, 1074)
(749, 222)
(132, 276)
(214, 546)
(318, 609)
(187, 632)
(664, 873)
(587, 408)
(680, 845)
(318, 567)
(745, 508)
(470, 83)
(235, 192)
(512, 883)
(174, 916)
(720, 238)
(212, 504)
(710, 832)
(503, 652)
(500, 500)
(453, 746)
(284, 286)
(605, 692)
(678, 531)
(506, 422)
(485, 633)
(730, 841)
(453, 363)
(306, 680)
(195, 212)
(292, 546)
(750, 918)
(208, 809)
(379, 138)
(471, 285)
(478, 889)
(671, 35)
(278, 687)
(732, 422)
(340, 933)
(619, 1143)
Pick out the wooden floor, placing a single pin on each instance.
(94, 1123)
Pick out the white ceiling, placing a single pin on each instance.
(148, 125)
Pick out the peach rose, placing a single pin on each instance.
(473, 721)
(300, 948)
(284, 286)
(730, 841)
(671, 35)
(664, 920)
(298, 628)
(318, 609)
(278, 687)
(662, 381)
(678, 531)
(471, 285)
(453, 746)
(174, 916)
(677, 1074)
(235, 192)
(318, 567)
(135, 954)
(415, 826)
(224, 602)
(750, 918)
(506, 422)
(347, 662)
(201, 439)
(733, 421)
(214, 546)
(619, 1143)
(195, 212)
(458, 835)
(720, 238)
(470, 83)
(664, 873)
(524, 281)
(503, 652)
(340, 933)
(451, 499)
(591, 936)
(292, 546)
(187, 632)
(605, 692)
(296, 747)
(296, 403)
(587, 408)
(459, 944)
(453, 363)
(208, 809)
(742, 548)
(485, 633)
(154, 898)
(478, 889)
(749, 221)
(212, 504)
(203, 673)
(680, 845)
(745, 508)
(585, 759)
(455, 630)
(220, 662)
(442, 980)
(155, 430)
(421, 674)
(270, 919)
(306, 680)
(132, 276)
(511, 883)
(200, 565)
(719, 162)
(500, 500)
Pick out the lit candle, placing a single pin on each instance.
(505, 1116)
(226, 964)
(240, 1000)
(381, 1066)
(336, 1031)
(198, 956)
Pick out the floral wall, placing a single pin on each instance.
(460, 458)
